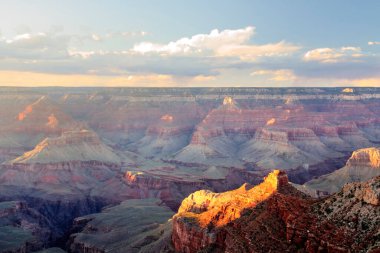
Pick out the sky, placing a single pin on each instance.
(141, 43)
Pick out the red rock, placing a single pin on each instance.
(283, 221)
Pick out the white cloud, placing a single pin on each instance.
(203, 55)
(197, 43)
(333, 55)
(226, 43)
(372, 43)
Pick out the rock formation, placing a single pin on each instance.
(362, 165)
(275, 217)
(72, 146)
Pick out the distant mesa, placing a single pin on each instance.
(291, 101)
(79, 145)
(167, 118)
(348, 90)
(271, 122)
(228, 101)
(362, 165)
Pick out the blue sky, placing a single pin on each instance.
(190, 43)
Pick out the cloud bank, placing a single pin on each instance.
(226, 57)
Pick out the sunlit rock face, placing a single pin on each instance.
(228, 101)
(271, 122)
(368, 157)
(252, 219)
(206, 206)
(167, 118)
(203, 212)
(348, 90)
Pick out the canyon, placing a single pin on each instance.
(77, 157)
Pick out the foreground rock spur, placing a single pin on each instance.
(275, 217)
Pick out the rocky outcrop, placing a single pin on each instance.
(275, 217)
(203, 213)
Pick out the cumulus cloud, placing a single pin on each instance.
(333, 55)
(226, 43)
(195, 44)
(202, 55)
